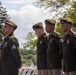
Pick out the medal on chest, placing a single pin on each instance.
(51, 40)
(68, 41)
(40, 42)
(5, 44)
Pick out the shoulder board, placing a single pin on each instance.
(73, 33)
(58, 34)
(46, 35)
(13, 39)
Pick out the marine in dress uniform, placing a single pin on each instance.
(74, 27)
(41, 48)
(54, 48)
(69, 47)
(10, 57)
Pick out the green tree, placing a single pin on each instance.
(53, 3)
(28, 53)
(31, 42)
(71, 12)
(1, 34)
(58, 29)
(3, 18)
(55, 6)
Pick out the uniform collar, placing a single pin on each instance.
(51, 33)
(10, 35)
(41, 35)
(68, 33)
(7, 37)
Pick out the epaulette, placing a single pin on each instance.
(46, 35)
(58, 34)
(73, 33)
(13, 39)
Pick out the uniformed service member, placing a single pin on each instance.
(69, 47)
(10, 57)
(54, 47)
(74, 27)
(41, 48)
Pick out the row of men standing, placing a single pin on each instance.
(54, 52)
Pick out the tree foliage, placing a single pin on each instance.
(53, 3)
(3, 18)
(31, 42)
(28, 53)
(54, 6)
(1, 34)
(71, 12)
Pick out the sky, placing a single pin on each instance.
(24, 14)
